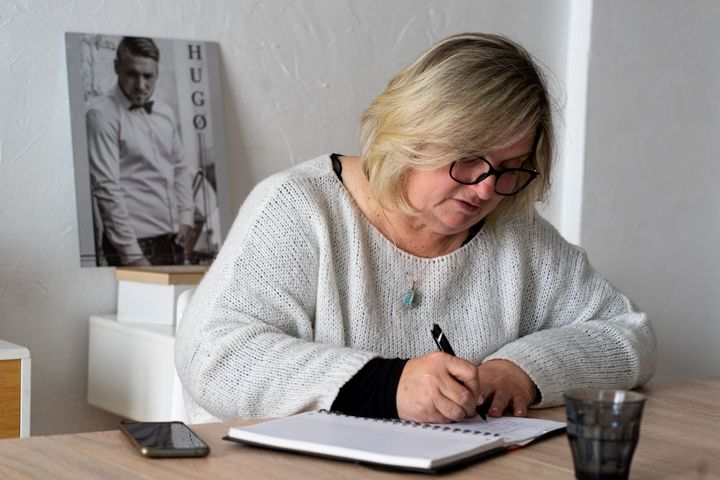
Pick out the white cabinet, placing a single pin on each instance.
(131, 364)
(131, 370)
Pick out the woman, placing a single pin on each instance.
(324, 293)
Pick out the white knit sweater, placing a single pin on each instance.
(305, 291)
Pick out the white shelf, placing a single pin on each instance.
(164, 334)
(10, 351)
(131, 369)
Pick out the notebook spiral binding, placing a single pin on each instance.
(408, 423)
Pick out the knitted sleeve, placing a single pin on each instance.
(245, 347)
(576, 330)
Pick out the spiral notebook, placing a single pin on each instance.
(393, 444)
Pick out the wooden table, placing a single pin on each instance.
(680, 439)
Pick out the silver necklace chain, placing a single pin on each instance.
(410, 296)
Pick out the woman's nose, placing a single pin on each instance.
(485, 189)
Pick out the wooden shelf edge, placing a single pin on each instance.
(163, 275)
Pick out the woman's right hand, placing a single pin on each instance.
(438, 388)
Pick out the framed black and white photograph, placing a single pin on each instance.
(149, 150)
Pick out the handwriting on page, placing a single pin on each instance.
(514, 430)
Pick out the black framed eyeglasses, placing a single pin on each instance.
(508, 181)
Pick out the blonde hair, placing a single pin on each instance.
(468, 94)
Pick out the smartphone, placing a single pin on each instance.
(164, 439)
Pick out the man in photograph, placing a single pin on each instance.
(139, 179)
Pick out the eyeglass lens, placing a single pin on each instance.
(507, 181)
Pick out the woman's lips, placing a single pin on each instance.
(466, 206)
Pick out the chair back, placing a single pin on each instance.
(177, 405)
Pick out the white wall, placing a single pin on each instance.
(651, 208)
(296, 76)
(568, 184)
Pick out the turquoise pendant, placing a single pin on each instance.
(409, 299)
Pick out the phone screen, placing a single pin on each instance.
(165, 439)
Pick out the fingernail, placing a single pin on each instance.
(519, 413)
(480, 400)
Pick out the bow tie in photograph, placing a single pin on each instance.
(147, 106)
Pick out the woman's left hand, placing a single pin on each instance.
(509, 386)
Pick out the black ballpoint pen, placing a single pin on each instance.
(443, 344)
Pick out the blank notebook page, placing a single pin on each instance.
(377, 441)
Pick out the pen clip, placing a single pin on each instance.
(437, 334)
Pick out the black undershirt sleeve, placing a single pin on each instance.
(371, 391)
